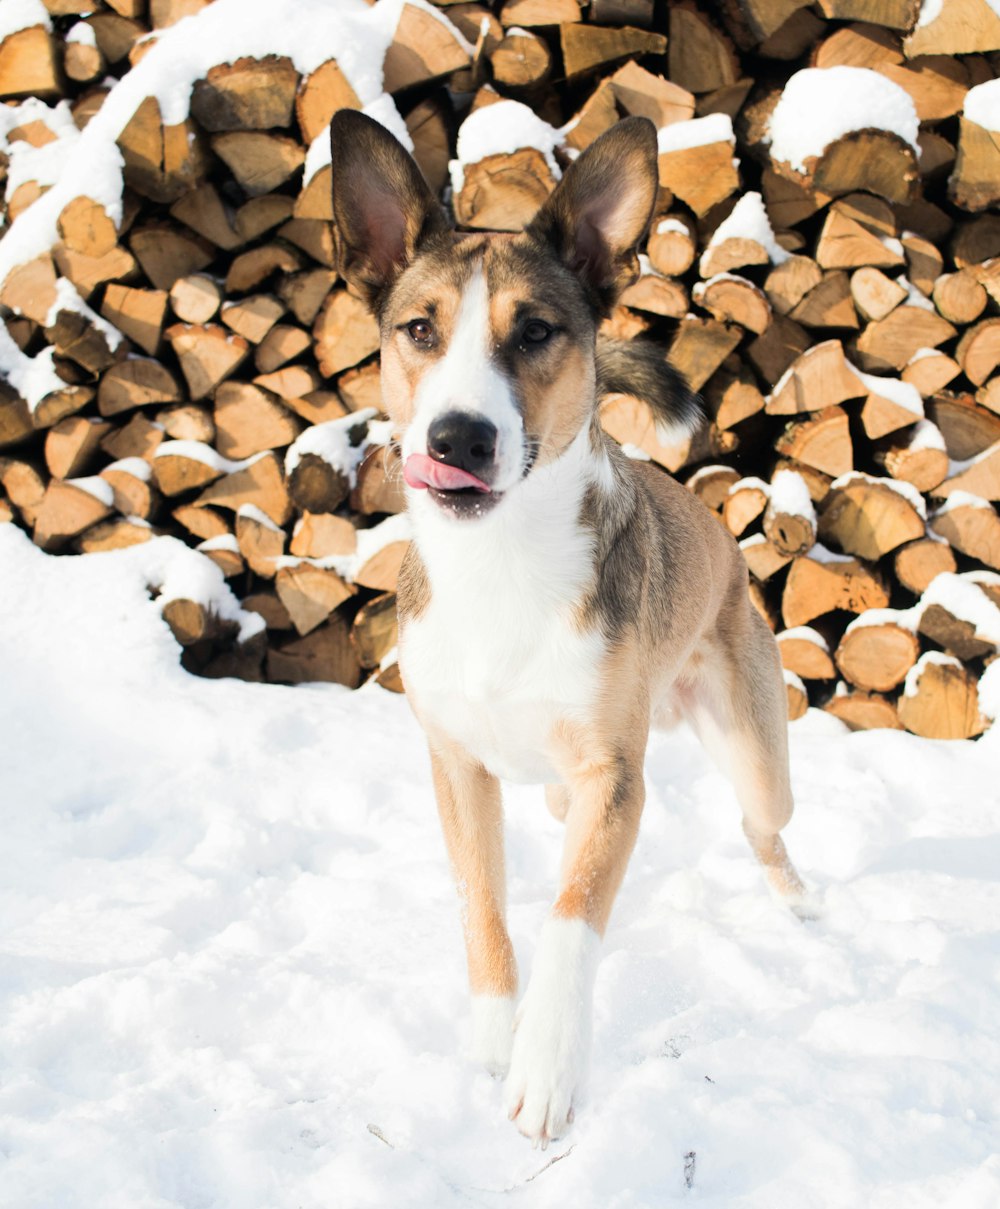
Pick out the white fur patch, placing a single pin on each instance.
(466, 379)
(498, 655)
(552, 1038)
(492, 1032)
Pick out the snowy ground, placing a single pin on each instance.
(232, 977)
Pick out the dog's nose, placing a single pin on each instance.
(466, 441)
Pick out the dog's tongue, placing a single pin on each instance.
(421, 471)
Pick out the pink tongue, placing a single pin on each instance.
(421, 471)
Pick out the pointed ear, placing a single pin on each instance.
(601, 208)
(381, 204)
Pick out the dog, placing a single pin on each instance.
(558, 598)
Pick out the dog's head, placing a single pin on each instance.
(488, 340)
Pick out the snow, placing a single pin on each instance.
(903, 394)
(915, 297)
(500, 129)
(198, 451)
(804, 633)
(696, 132)
(138, 468)
(821, 104)
(94, 485)
(961, 596)
(22, 14)
(989, 691)
(43, 165)
(823, 554)
(926, 435)
(912, 682)
(251, 512)
(82, 33)
(307, 31)
(900, 486)
(789, 494)
(982, 105)
(68, 299)
(672, 225)
(331, 441)
(233, 971)
(747, 220)
(961, 499)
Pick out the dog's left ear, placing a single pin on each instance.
(382, 205)
(600, 210)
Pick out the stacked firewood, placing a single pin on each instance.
(835, 297)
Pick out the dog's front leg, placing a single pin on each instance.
(472, 819)
(552, 1036)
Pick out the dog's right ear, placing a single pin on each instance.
(381, 204)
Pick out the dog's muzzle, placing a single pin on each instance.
(459, 465)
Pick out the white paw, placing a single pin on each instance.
(492, 1032)
(552, 1032)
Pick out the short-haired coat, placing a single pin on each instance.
(558, 598)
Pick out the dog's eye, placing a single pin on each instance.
(536, 331)
(421, 331)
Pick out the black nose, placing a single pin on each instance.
(466, 441)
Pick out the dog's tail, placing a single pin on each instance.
(640, 369)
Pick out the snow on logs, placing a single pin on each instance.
(180, 356)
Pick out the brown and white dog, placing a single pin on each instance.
(558, 598)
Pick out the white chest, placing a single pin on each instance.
(497, 679)
(498, 657)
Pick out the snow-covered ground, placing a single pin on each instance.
(232, 974)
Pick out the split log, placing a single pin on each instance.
(762, 558)
(733, 299)
(672, 246)
(260, 540)
(732, 396)
(588, 48)
(815, 587)
(380, 572)
(829, 304)
(980, 477)
(250, 270)
(806, 653)
(744, 503)
(71, 444)
(821, 441)
(819, 378)
(970, 526)
(261, 483)
(859, 235)
(252, 317)
(29, 65)
(344, 333)
(968, 429)
(68, 508)
(959, 297)
(162, 162)
(918, 563)
(702, 176)
(138, 382)
(324, 91)
(167, 253)
(260, 161)
(871, 517)
(643, 94)
(864, 711)
(379, 483)
(249, 420)
(375, 631)
(304, 293)
(978, 351)
(208, 355)
(29, 289)
(139, 314)
(320, 535)
(788, 283)
(139, 438)
(325, 654)
(132, 486)
(876, 655)
(310, 594)
(317, 486)
(973, 184)
(205, 523)
(423, 48)
(711, 485)
(891, 343)
(503, 192)
(23, 486)
(930, 371)
(116, 533)
(195, 299)
(204, 211)
(182, 466)
(941, 700)
(959, 27)
(699, 347)
(283, 343)
(187, 422)
(249, 94)
(84, 226)
(790, 519)
(700, 57)
(874, 294)
(918, 457)
(773, 352)
(225, 553)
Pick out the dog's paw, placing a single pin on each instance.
(552, 1032)
(547, 1070)
(492, 1032)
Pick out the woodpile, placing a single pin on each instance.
(831, 287)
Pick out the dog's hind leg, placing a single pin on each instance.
(471, 812)
(738, 708)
